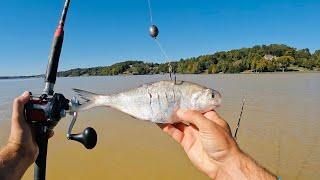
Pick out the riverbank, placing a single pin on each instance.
(246, 72)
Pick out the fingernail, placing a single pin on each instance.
(181, 112)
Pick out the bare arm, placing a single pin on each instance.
(21, 149)
(211, 148)
(243, 167)
(14, 161)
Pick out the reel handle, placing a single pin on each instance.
(88, 137)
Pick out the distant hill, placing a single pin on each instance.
(259, 58)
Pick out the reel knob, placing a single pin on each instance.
(88, 137)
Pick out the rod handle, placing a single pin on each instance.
(41, 161)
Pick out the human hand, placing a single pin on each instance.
(21, 150)
(22, 136)
(209, 144)
(207, 140)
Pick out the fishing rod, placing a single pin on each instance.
(45, 111)
(240, 116)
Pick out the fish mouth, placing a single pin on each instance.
(214, 105)
(212, 108)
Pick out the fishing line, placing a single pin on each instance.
(153, 30)
(150, 11)
(167, 60)
(162, 51)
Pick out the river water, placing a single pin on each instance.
(279, 128)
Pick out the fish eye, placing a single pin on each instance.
(210, 93)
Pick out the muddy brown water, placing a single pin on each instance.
(279, 128)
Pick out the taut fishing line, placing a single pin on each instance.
(150, 11)
(162, 50)
(153, 30)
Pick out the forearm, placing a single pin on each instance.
(241, 166)
(14, 161)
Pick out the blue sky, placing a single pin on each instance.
(102, 32)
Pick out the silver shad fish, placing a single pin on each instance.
(156, 102)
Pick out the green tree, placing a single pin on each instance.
(316, 57)
(233, 61)
(182, 67)
(308, 63)
(195, 69)
(163, 68)
(303, 53)
(262, 65)
(271, 66)
(283, 62)
(213, 69)
(223, 66)
(301, 56)
(238, 66)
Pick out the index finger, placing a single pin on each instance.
(194, 117)
(19, 103)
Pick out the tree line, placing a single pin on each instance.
(259, 58)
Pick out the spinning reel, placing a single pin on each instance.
(45, 111)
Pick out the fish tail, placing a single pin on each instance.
(91, 99)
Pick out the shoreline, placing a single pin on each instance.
(245, 73)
